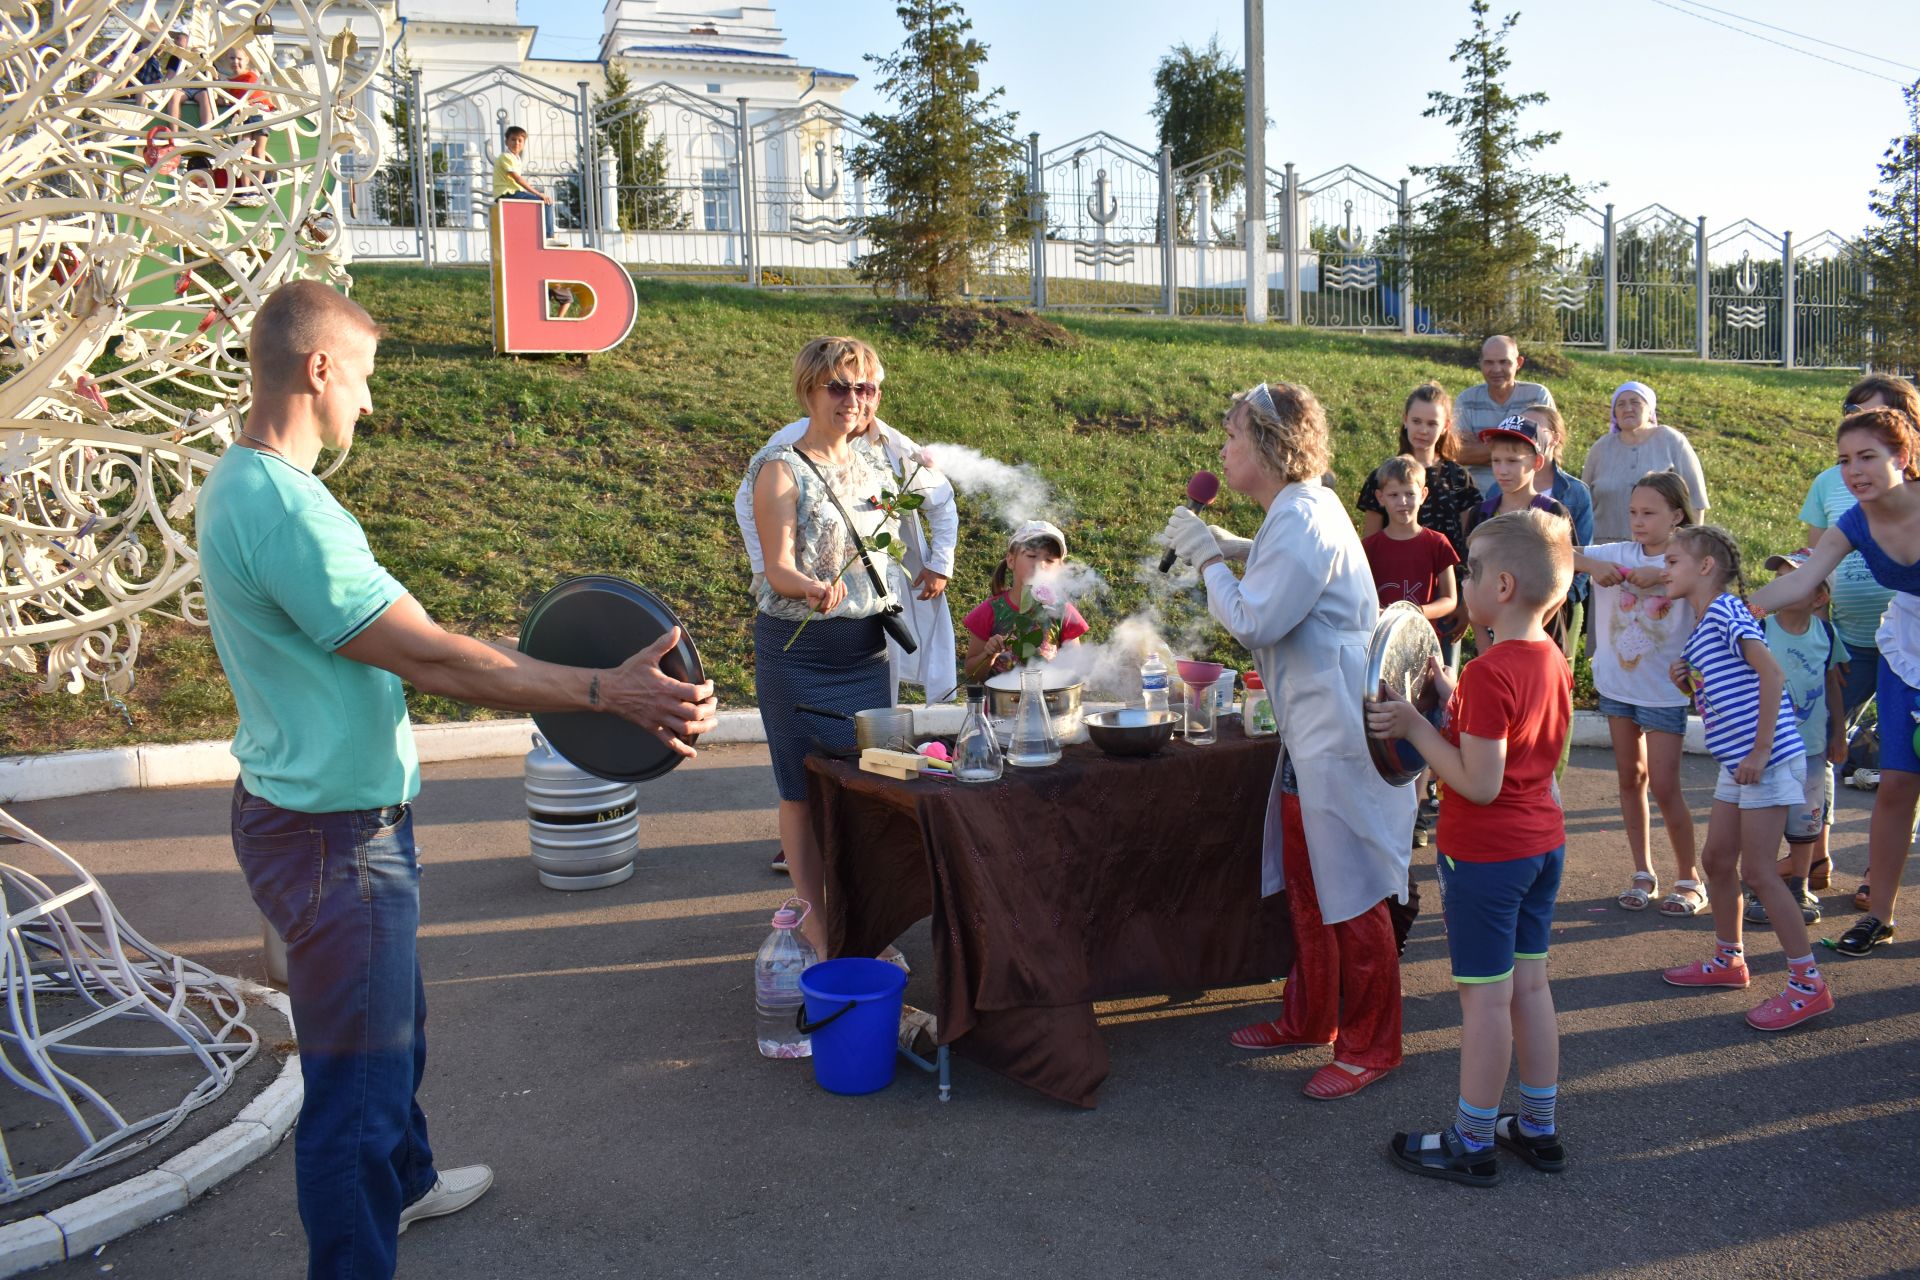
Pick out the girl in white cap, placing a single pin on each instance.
(1035, 553)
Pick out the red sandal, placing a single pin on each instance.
(1267, 1035)
(1332, 1081)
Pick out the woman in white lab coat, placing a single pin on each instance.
(1340, 839)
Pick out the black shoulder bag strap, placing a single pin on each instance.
(890, 616)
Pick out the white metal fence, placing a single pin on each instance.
(677, 184)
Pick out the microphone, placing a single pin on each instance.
(1201, 491)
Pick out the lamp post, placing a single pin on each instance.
(1256, 161)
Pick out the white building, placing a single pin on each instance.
(703, 76)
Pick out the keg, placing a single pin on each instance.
(585, 831)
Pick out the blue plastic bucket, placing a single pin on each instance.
(853, 1014)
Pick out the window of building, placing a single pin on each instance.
(716, 198)
(713, 88)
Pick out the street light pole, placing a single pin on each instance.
(1256, 161)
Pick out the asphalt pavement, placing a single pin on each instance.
(597, 1049)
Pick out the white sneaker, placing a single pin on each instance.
(456, 1189)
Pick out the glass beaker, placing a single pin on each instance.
(1202, 713)
(976, 753)
(1034, 744)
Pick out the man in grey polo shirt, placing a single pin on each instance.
(315, 638)
(1481, 407)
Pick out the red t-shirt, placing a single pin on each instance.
(1407, 568)
(1520, 690)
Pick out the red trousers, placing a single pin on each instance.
(1344, 988)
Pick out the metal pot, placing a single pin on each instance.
(876, 727)
(1130, 731)
(1063, 703)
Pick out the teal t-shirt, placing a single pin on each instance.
(289, 579)
(1858, 601)
(1805, 660)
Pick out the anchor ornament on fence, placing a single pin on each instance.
(821, 188)
(1350, 272)
(1103, 208)
(1565, 290)
(1746, 315)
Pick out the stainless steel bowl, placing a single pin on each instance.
(1130, 731)
(1403, 640)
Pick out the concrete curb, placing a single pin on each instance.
(77, 1228)
(78, 773)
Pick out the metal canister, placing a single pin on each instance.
(584, 830)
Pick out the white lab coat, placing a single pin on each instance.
(933, 666)
(1305, 608)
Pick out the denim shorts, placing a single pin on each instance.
(1784, 783)
(1653, 719)
(1498, 912)
(1814, 813)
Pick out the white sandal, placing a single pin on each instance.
(1678, 903)
(1634, 898)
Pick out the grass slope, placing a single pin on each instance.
(483, 481)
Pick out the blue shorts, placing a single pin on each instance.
(1899, 708)
(1653, 719)
(1498, 912)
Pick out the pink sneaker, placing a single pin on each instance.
(1790, 1008)
(1708, 974)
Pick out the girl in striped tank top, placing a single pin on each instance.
(1741, 695)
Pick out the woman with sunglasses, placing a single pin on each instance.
(1338, 835)
(817, 638)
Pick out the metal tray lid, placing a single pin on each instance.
(1397, 655)
(599, 620)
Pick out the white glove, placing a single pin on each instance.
(1232, 545)
(1190, 538)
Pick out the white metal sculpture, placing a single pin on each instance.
(152, 192)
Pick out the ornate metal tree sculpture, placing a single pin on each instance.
(141, 224)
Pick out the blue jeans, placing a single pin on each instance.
(343, 891)
(1863, 674)
(546, 209)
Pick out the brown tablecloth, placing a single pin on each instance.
(1094, 878)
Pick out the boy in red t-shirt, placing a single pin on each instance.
(1502, 843)
(1408, 562)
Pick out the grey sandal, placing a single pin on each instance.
(1678, 903)
(1636, 896)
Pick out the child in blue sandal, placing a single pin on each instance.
(1502, 843)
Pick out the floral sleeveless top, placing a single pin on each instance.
(822, 542)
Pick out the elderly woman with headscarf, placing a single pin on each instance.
(1637, 443)
(1338, 836)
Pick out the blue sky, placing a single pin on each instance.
(1662, 106)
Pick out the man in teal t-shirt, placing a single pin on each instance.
(315, 638)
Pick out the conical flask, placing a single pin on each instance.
(1034, 745)
(976, 753)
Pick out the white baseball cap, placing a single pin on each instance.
(1033, 530)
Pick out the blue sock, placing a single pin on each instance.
(1536, 1109)
(1475, 1124)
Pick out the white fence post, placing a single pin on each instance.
(1703, 289)
(583, 170)
(1610, 282)
(1786, 300)
(749, 252)
(1406, 262)
(1256, 160)
(422, 167)
(1290, 242)
(1037, 213)
(1169, 234)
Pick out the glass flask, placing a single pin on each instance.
(1034, 744)
(976, 754)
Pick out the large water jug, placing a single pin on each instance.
(782, 958)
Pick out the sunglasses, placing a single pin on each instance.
(865, 390)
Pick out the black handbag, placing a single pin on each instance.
(890, 616)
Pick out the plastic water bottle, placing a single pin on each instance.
(1153, 682)
(782, 958)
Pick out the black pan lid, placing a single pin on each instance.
(600, 621)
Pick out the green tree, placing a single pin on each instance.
(1890, 252)
(1200, 105)
(947, 166)
(646, 200)
(1486, 230)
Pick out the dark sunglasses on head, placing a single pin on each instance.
(865, 390)
(1849, 408)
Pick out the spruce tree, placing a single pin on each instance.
(947, 167)
(1486, 228)
(1200, 105)
(1890, 252)
(646, 201)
